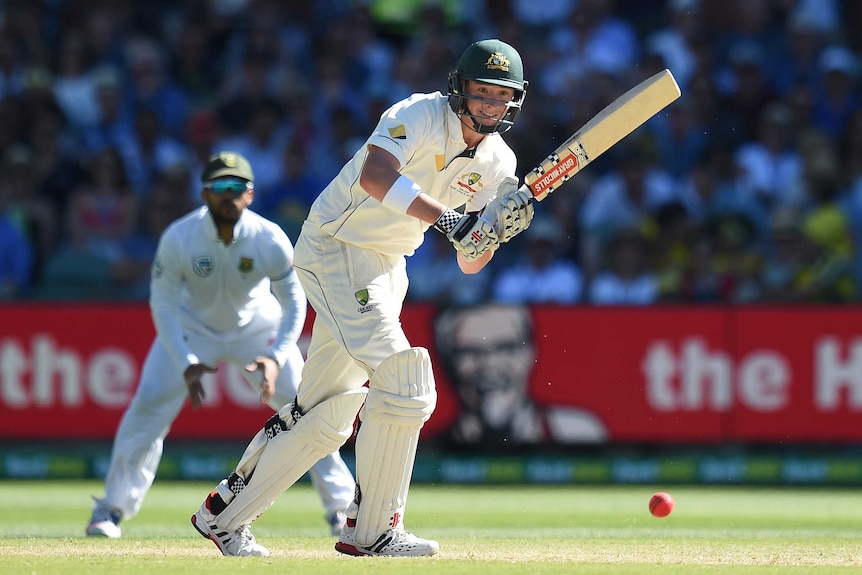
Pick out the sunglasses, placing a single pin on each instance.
(229, 186)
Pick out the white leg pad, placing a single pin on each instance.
(285, 457)
(281, 421)
(401, 398)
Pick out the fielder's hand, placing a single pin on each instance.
(193, 375)
(511, 211)
(268, 368)
(471, 234)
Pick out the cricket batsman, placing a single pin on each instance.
(433, 160)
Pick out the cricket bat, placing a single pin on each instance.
(616, 121)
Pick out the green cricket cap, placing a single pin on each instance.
(227, 164)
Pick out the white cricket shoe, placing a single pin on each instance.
(240, 543)
(105, 522)
(392, 543)
(337, 520)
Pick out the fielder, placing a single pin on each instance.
(433, 160)
(223, 288)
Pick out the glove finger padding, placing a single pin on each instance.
(472, 235)
(511, 211)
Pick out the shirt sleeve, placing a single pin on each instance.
(166, 288)
(285, 285)
(402, 129)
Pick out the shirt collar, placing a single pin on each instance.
(240, 229)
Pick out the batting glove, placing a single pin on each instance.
(471, 234)
(511, 211)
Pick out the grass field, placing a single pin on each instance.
(482, 531)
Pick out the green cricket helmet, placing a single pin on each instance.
(492, 62)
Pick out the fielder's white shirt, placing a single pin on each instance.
(200, 283)
(424, 134)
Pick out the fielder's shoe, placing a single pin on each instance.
(240, 543)
(336, 521)
(392, 543)
(105, 522)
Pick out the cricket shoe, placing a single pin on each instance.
(392, 543)
(105, 521)
(336, 520)
(239, 543)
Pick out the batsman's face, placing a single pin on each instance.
(487, 103)
(493, 356)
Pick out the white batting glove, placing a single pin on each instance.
(471, 234)
(511, 211)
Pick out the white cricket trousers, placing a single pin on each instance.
(357, 295)
(160, 395)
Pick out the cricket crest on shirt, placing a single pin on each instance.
(467, 184)
(246, 265)
(362, 299)
(203, 266)
(158, 268)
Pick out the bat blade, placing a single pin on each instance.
(616, 121)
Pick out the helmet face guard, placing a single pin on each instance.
(458, 101)
(490, 62)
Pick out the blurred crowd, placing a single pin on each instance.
(747, 189)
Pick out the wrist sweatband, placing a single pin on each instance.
(402, 193)
(447, 221)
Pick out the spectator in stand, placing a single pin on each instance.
(827, 227)
(837, 94)
(55, 158)
(745, 87)
(164, 203)
(12, 67)
(263, 142)
(805, 38)
(16, 256)
(703, 281)
(245, 91)
(195, 66)
(113, 126)
(675, 40)
(710, 189)
(29, 211)
(150, 151)
(541, 275)
(291, 196)
(627, 277)
(800, 267)
(202, 133)
(770, 167)
(102, 215)
(733, 243)
(680, 139)
(591, 39)
(74, 83)
(621, 199)
(152, 87)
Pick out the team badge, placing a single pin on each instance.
(203, 266)
(497, 61)
(467, 184)
(361, 296)
(246, 265)
(229, 159)
(362, 299)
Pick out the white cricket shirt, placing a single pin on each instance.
(424, 134)
(200, 283)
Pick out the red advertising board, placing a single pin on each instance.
(682, 375)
